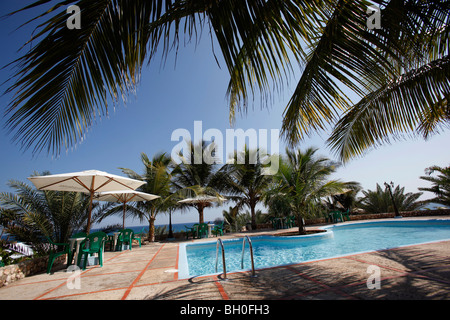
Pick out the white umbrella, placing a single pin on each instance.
(202, 201)
(124, 196)
(203, 198)
(90, 181)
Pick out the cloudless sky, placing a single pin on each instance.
(173, 97)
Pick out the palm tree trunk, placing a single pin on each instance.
(170, 224)
(151, 229)
(252, 210)
(301, 226)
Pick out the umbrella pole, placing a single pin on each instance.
(200, 213)
(124, 210)
(88, 229)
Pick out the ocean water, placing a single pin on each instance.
(176, 227)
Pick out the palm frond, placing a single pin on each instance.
(67, 78)
(416, 101)
(344, 54)
(439, 177)
(348, 55)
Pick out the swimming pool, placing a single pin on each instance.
(197, 259)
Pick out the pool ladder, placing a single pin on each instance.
(245, 239)
(219, 241)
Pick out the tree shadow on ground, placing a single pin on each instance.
(410, 273)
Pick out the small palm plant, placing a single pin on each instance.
(440, 184)
(31, 215)
(380, 201)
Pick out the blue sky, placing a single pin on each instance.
(174, 97)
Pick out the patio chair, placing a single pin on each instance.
(110, 240)
(276, 223)
(191, 230)
(346, 214)
(290, 222)
(337, 216)
(92, 244)
(125, 236)
(56, 250)
(328, 216)
(218, 229)
(202, 231)
(138, 236)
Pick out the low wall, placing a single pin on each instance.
(13, 272)
(369, 216)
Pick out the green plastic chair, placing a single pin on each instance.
(191, 231)
(218, 229)
(346, 214)
(138, 236)
(328, 217)
(202, 231)
(275, 223)
(125, 236)
(92, 244)
(291, 221)
(110, 240)
(55, 252)
(337, 216)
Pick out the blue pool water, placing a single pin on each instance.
(339, 240)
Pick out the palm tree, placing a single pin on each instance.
(302, 180)
(169, 205)
(157, 177)
(347, 198)
(199, 177)
(400, 72)
(380, 201)
(230, 217)
(248, 183)
(440, 184)
(32, 215)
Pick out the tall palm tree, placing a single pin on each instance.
(157, 177)
(248, 182)
(197, 177)
(302, 179)
(440, 184)
(35, 214)
(380, 201)
(400, 72)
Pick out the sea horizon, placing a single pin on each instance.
(176, 227)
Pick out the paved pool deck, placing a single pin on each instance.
(150, 272)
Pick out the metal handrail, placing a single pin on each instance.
(223, 257)
(251, 254)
